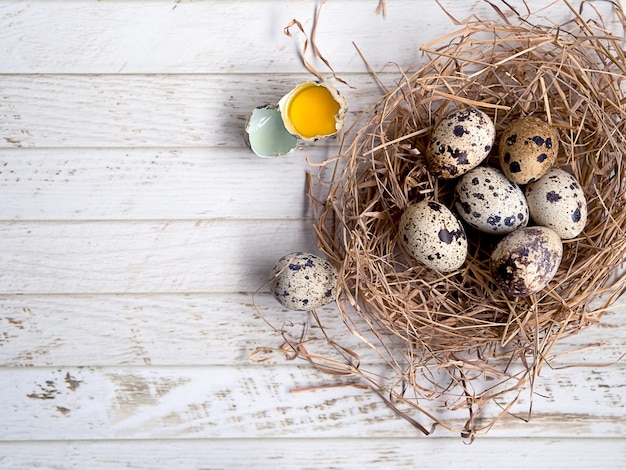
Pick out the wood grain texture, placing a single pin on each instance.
(226, 37)
(154, 184)
(259, 401)
(162, 110)
(135, 225)
(198, 329)
(157, 256)
(311, 454)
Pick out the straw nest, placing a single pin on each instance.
(441, 332)
(455, 341)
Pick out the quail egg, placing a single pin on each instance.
(489, 202)
(460, 142)
(303, 281)
(313, 110)
(431, 234)
(527, 150)
(525, 261)
(557, 200)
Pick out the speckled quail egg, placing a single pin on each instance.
(266, 133)
(431, 234)
(525, 261)
(557, 200)
(528, 148)
(303, 281)
(313, 110)
(460, 142)
(489, 202)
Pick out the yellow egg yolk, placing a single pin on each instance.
(312, 112)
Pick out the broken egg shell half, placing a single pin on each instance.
(266, 134)
(313, 110)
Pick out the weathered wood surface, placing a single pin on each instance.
(135, 227)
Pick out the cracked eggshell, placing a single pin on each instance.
(525, 261)
(460, 142)
(313, 110)
(303, 281)
(527, 150)
(432, 235)
(557, 200)
(489, 202)
(266, 134)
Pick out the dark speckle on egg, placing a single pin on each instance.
(538, 140)
(459, 131)
(494, 220)
(434, 206)
(515, 167)
(553, 196)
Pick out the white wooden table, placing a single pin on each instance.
(135, 226)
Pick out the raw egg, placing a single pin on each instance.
(313, 110)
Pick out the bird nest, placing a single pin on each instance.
(455, 341)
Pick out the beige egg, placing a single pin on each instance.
(432, 235)
(527, 150)
(303, 281)
(557, 200)
(486, 200)
(525, 261)
(460, 142)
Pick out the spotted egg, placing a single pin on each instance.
(460, 142)
(303, 281)
(489, 202)
(528, 148)
(432, 235)
(525, 261)
(557, 200)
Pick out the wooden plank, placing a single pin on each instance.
(195, 37)
(343, 453)
(149, 184)
(154, 256)
(201, 329)
(226, 37)
(170, 111)
(63, 403)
